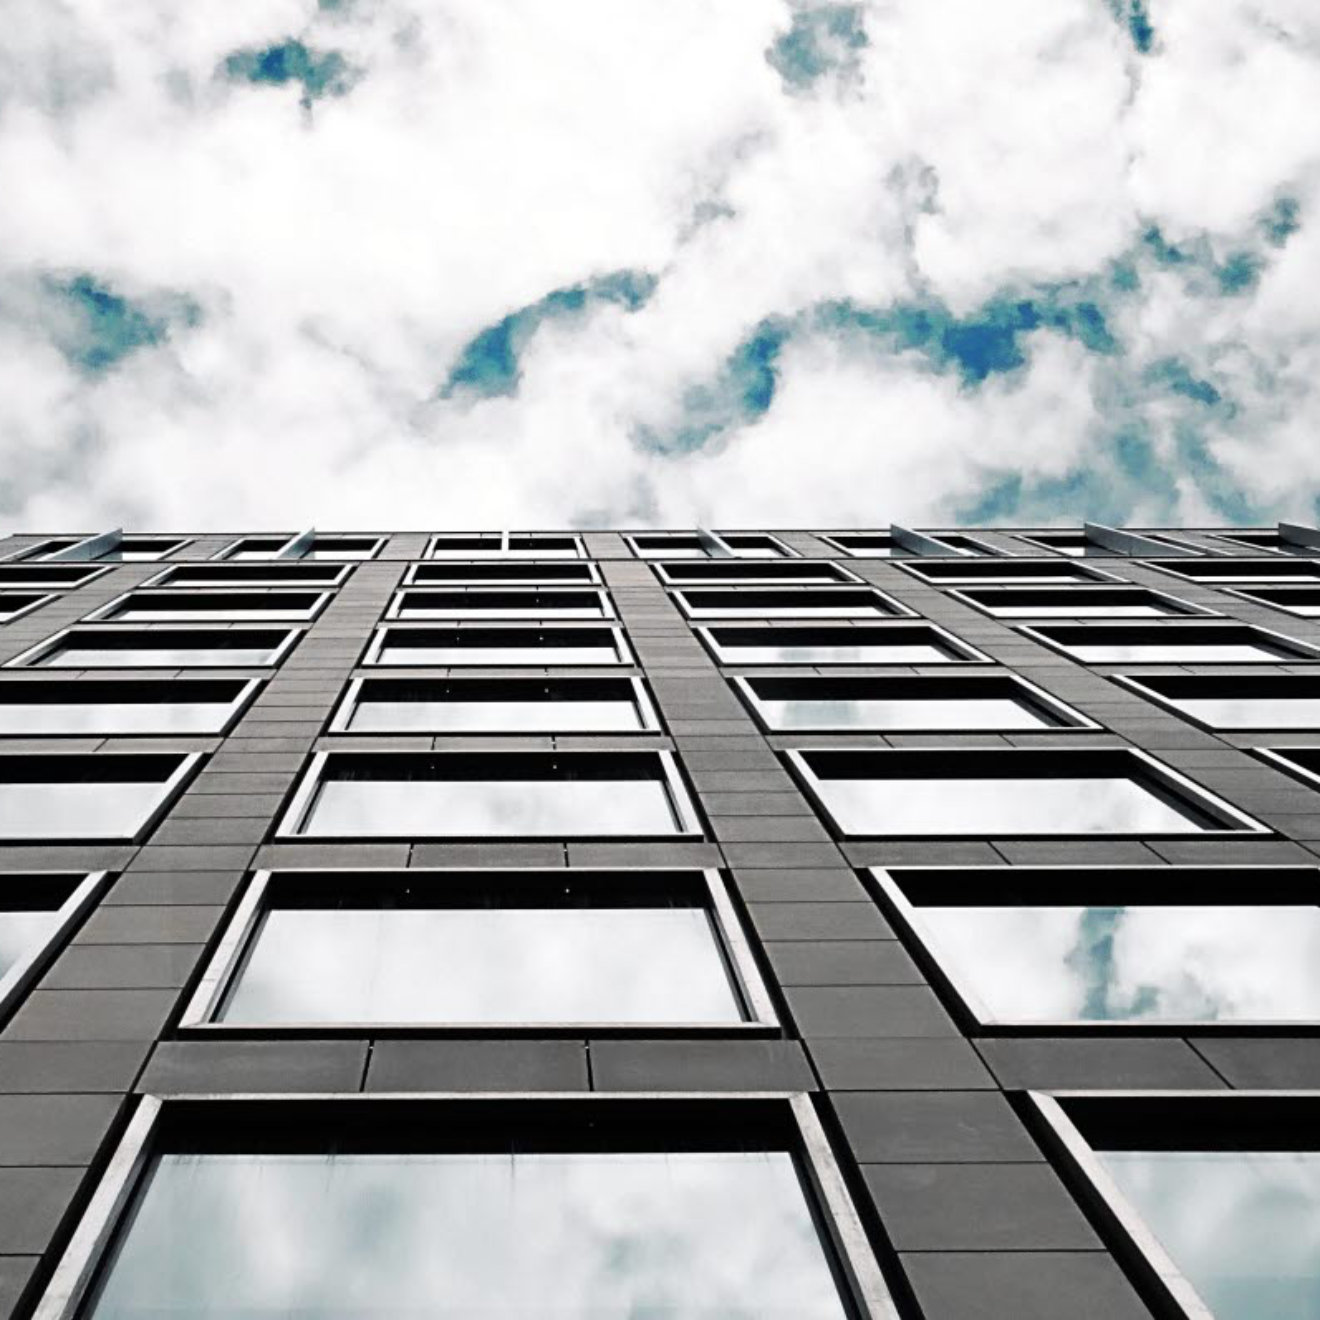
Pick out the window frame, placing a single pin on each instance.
(1163, 776)
(756, 572)
(998, 570)
(346, 707)
(893, 885)
(1284, 590)
(1157, 1277)
(249, 574)
(962, 653)
(295, 815)
(1141, 685)
(393, 612)
(1090, 549)
(1228, 570)
(168, 793)
(40, 581)
(1281, 759)
(160, 1122)
(238, 704)
(648, 554)
(109, 612)
(832, 540)
(380, 640)
(86, 887)
(232, 548)
(732, 945)
(31, 658)
(38, 600)
(887, 608)
(1305, 651)
(1066, 718)
(504, 551)
(417, 573)
(1181, 609)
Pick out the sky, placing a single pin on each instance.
(500, 263)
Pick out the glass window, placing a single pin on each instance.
(744, 545)
(899, 793)
(1221, 1195)
(1304, 762)
(1063, 945)
(1073, 544)
(788, 603)
(221, 573)
(754, 545)
(1192, 643)
(148, 606)
(15, 603)
(50, 577)
(85, 797)
(50, 546)
(669, 547)
(520, 544)
(957, 543)
(1296, 600)
(731, 570)
(53, 707)
(995, 702)
(1276, 701)
(497, 705)
(254, 548)
(1074, 602)
(34, 910)
(515, 603)
(1025, 572)
(889, 644)
(480, 949)
(447, 1220)
(864, 545)
(1228, 569)
(495, 794)
(494, 647)
(1261, 540)
(514, 571)
(139, 549)
(161, 648)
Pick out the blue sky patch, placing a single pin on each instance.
(487, 366)
(96, 328)
(1135, 19)
(821, 40)
(318, 73)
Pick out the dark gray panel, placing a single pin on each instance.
(909, 1064)
(932, 1127)
(700, 1065)
(478, 1065)
(1105, 1062)
(32, 1203)
(54, 1129)
(205, 1066)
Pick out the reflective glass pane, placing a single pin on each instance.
(515, 604)
(1062, 805)
(72, 656)
(130, 613)
(13, 603)
(758, 604)
(672, 1235)
(588, 653)
(1243, 1226)
(75, 810)
(967, 713)
(445, 808)
(459, 716)
(788, 653)
(487, 965)
(114, 716)
(20, 934)
(1080, 609)
(1170, 652)
(1114, 964)
(1253, 712)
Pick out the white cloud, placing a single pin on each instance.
(493, 151)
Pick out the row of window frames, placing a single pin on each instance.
(640, 794)
(607, 1203)
(149, 549)
(582, 645)
(806, 703)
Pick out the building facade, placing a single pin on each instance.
(795, 924)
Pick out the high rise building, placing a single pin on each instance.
(792, 924)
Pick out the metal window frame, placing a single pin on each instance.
(238, 938)
(1068, 719)
(237, 706)
(1228, 571)
(169, 789)
(1253, 598)
(1140, 684)
(394, 614)
(414, 576)
(933, 544)
(1171, 780)
(1182, 609)
(1003, 566)
(1140, 1250)
(94, 547)
(648, 718)
(750, 572)
(336, 573)
(962, 653)
(40, 600)
(86, 887)
(957, 985)
(1280, 759)
(687, 820)
(1306, 651)
(31, 658)
(888, 608)
(297, 545)
(504, 552)
(832, 540)
(89, 572)
(624, 654)
(108, 613)
(843, 1238)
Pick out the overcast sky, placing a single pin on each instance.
(437, 263)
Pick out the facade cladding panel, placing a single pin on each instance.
(778, 923)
